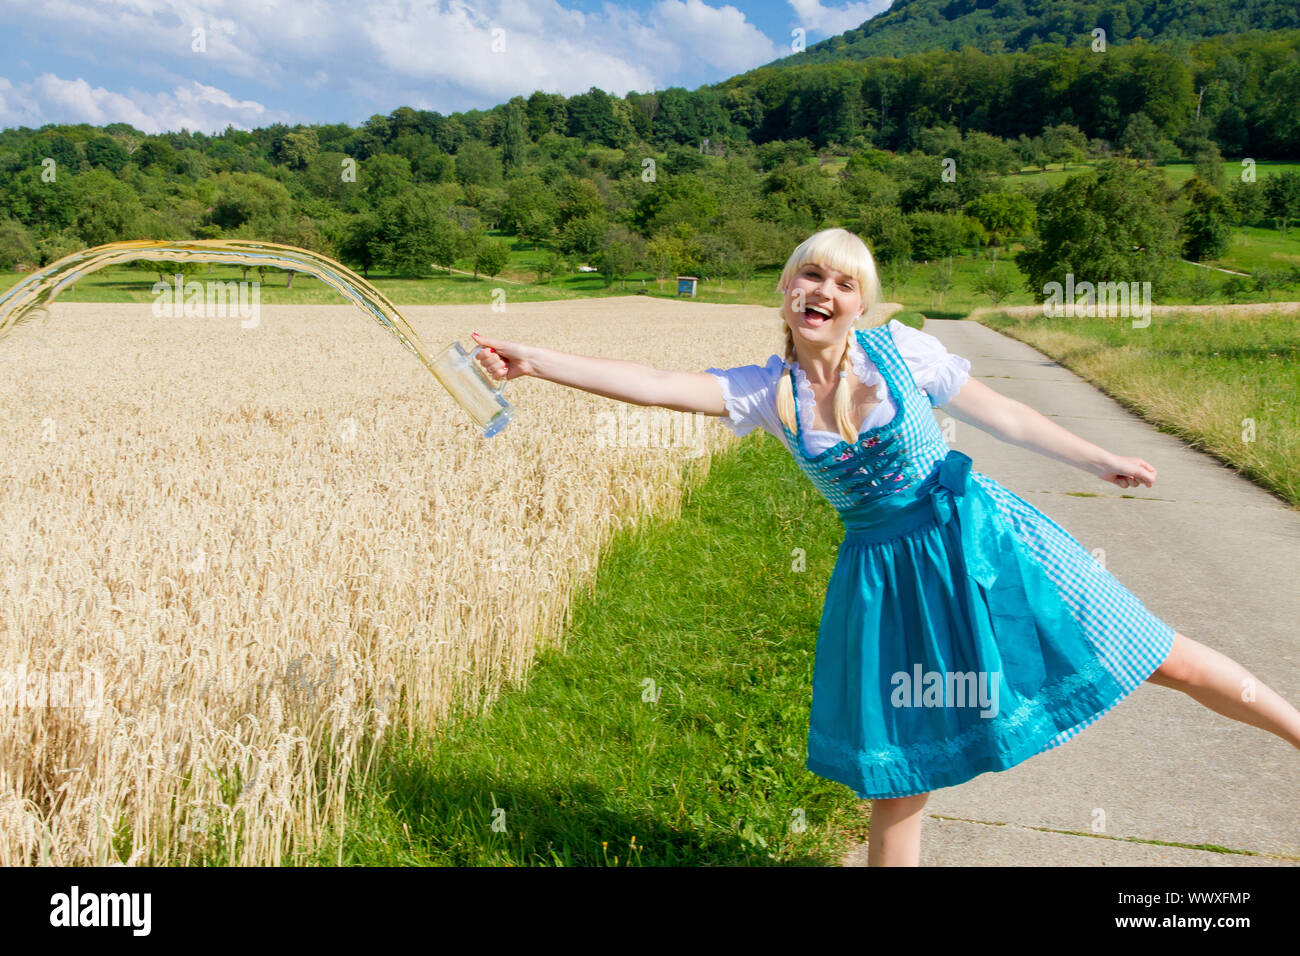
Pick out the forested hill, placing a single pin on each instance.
(994, 26)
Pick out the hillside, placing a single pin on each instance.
(995, 26)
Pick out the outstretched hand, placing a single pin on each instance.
(1128, 472)
(502, 359)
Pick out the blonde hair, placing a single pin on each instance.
(844, 252)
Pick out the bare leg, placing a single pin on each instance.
(895, 835)
(1227, 688)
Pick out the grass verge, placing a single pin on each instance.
(670, 729)
(1225, 384)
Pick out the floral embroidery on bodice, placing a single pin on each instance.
(886, 459)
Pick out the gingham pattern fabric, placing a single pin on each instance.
(888, 459)
(1129, 640)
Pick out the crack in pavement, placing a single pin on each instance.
(1209, 848)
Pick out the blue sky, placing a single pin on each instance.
(203, 64)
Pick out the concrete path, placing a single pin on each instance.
(1209, 552)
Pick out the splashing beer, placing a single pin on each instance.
(32, 297)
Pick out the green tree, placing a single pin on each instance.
(886, 232)
(545, 266)
(446, 242)
(107, 153)
(1110, 224)
(16, 244)
(615, 260)
(295, 148)
(578, 198)
(243, 197)
(895, 274)
(1282, 197)
(1065, 143)
(1141, 139)
(1247, 201)
(154, 152)
(806, 198)
(55, 245)
(936, 235)
(490, 258)
(773, 154)
(996, 285)
(530, 208)
(513, 138)
(1209, 166)
(677, 199)
(361, 245)
(107, 208)
(408, 223)
(939, 281)
(1031, 151)
(1266, 280)
(582, 237)
(1003, 215)
(661, 257)
(1206, 223)
(60, 148)
(593, 119)
(383, 176)
(477, 163)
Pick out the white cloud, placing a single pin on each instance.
(721, 37)
(813, 15)
(192, 106)
(435, 54)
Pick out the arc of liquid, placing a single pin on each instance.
(35, 293)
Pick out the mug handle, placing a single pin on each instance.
(495, 386)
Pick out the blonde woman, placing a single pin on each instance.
(964, 631)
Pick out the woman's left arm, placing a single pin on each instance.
(1017, 424)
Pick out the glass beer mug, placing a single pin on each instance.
(469, 385)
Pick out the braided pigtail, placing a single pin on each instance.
(785, 385)
(844, 399)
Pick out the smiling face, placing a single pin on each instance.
(815, 288)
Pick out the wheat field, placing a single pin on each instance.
(235, 561)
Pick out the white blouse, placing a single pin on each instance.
(750, 390)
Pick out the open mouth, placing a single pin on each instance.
(815, 315)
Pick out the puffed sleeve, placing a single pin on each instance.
(750, 394)
(935, 369)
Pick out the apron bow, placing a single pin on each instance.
(950, 497)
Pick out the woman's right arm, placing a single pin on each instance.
(619, 379)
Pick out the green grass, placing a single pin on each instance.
(123, 284)
(1179, 173)
(1053, 175)
(957, 302)
(1223, 384)
(1176, 173)
(710, 610)
(1254, 248)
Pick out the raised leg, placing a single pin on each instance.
(895, 835)
(1227, 688)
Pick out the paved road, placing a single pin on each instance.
(1205, 550)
